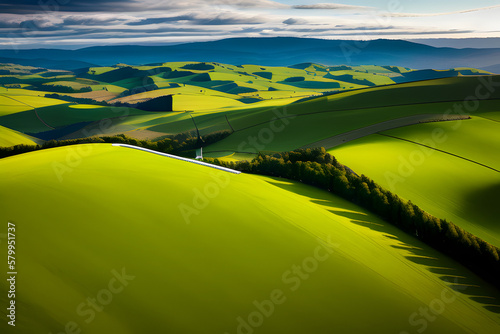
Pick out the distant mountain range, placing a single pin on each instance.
(47, 63)
(264, 51)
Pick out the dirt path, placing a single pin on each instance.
(383, 126)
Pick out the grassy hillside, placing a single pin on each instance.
(472, 139)
(254, 239)
(320, 118)
(15, 103)
(493, 116)
(9, 137)
(241, 91)
(47, 118)
(266, 109)
(442, 184)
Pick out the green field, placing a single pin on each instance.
(95, 209)
(243, 93)
(324, 117)
(441, 184)
(12, 104)
(472, 139)
(10, 137)
(493, 116)
(58, 116)
(208, 250)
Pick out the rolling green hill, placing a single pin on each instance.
(167, 241)
(312, 120)
(10, 137)
(460, 182)
(58, 116)
(212, 252)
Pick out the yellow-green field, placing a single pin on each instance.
(443, 183)
(277, 255)
(10, 137)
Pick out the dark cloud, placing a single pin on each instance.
(110, 32)
(292, 21)
(6, 24)
(196, 19)
(36, 24)
(45, 6)
(82, 21)
(90, 21)
(159, 20)
(228, 21)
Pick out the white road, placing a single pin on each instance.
(180, 158)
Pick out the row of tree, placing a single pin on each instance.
(320, 169)
(59, 88)
(180, 144)
(79, 100)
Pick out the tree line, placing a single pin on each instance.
(318, 168)
(180, 144)
(59, 88)
(79, 100)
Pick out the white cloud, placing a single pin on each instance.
(331, 6)
(441, 14)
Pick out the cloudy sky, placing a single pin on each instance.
(81, 23)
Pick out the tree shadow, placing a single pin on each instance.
(481, 206)
(456, 276)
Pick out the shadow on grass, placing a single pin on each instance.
(481, 206)
(454, 274)
(457, 277)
